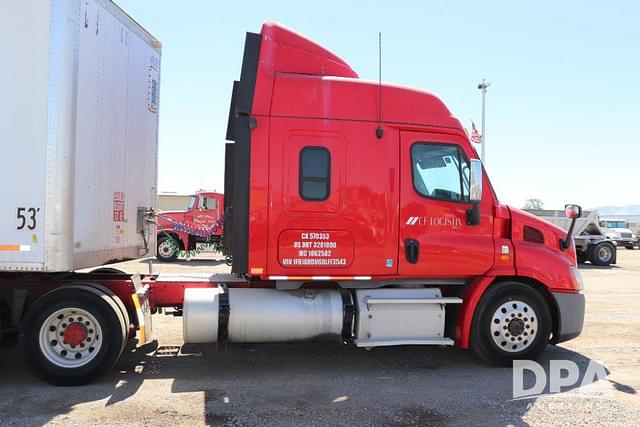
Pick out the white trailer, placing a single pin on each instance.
(78, 135)
(591, 242)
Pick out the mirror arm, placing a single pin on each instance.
(566, 242)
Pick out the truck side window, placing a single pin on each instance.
(440, 171)
(210, 203)
(315, 174)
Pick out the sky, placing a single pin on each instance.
(562, 112)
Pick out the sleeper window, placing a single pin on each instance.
(315, 173)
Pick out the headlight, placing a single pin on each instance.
(577, 277)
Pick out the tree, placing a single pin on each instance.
(533, 204)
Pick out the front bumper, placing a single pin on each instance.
(625, 241)
(570, 315)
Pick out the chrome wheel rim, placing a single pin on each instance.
(604, 253)
(70, 337)
(166, 249)
(514, 326)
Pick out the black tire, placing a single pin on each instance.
(582, 257)
(162, 254)
(116, 304)
(630, 247)
(106, 316)
(482, 341)
(602, 254)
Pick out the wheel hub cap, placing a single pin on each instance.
(514, 326)
(75, 334)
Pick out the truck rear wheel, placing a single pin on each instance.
(168, 249)
(602, 254)
(512, 321)
(72, 336)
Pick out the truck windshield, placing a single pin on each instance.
(192, 202)
(614, 224)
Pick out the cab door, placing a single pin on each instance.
(206, 214)
(435, 239)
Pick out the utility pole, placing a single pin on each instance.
(483, 87)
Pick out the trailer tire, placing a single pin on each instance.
(602, 254)
(115, 302)
(87, 351)
(582, 257)
(512, 321)
(164, 252)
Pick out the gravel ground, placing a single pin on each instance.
(330, 384)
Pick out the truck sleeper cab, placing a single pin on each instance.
(328, 192)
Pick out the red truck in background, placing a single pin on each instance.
(201, 223)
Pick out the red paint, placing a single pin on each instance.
(472, 296)
(75, 333)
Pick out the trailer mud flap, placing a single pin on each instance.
(143, 310)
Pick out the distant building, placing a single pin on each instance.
(168, 201)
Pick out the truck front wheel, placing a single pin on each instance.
(512, 321)
(71, 336)
(168, 248)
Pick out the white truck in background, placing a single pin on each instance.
(618, 230)
(592, 244)
(79, 139)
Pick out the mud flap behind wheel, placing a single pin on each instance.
(143, 310)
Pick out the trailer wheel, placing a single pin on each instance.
(582, 257)
(602, 254)
(512, 321)
(114, 302)
(168, 249)
(71, 336)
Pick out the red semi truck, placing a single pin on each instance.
(356, 211)
(182, 231)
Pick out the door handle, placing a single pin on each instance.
(411, 250)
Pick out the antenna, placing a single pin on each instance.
(379, 131)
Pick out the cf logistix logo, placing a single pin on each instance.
(436, 221)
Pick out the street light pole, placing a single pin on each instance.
(483, 87)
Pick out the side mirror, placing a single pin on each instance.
(573, 212)
(475, 181)
(475, 192)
